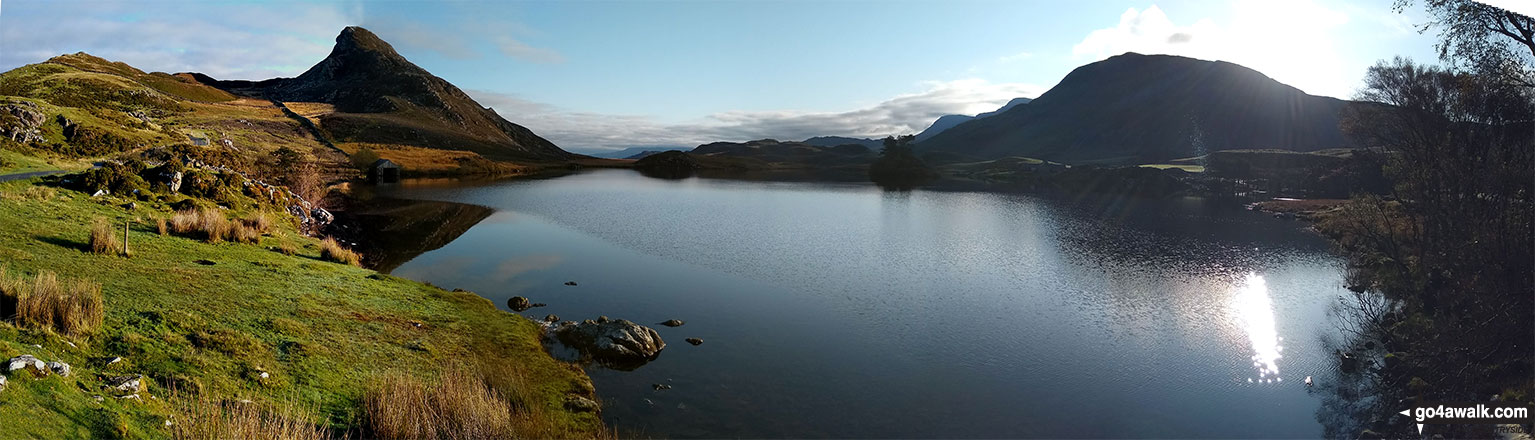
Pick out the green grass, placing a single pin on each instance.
(13, 162)
(322, 330)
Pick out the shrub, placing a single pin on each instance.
(103, 240)
(330, 250)
(364, 158)
(114, 177)
(71, 307)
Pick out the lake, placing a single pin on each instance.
(841, 310)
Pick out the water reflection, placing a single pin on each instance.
(1256, 311)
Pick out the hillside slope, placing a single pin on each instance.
(946, 122)
(1135, 108)
(379, 97)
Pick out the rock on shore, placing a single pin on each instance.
(616, 343)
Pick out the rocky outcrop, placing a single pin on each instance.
(619, 344)
(580, 404)
(672, 323)
(29, 363)
(59, 368)
(518, 304)
(20, 121)
(124, 385)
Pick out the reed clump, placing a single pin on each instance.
(330, 250)
(71, 306)
(202, 416)
(102, 240)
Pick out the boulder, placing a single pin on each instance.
(552, 318)
(27, 362)
(694, 341)
(518, 304)
(124, 385)
(59, 368)
(673, 323)
(2, 383)
(20, 122)
(580, 404)
(570, 283)
(621, 344)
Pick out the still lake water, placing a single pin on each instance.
(841, 310)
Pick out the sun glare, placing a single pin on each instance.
(1256, 312)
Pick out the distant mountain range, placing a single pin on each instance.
(946, 122)
(1135, 108)
(832, 141)
(379, 97)
(630, 153)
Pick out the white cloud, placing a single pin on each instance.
(908, 113)
(1291, 41)
(1020, 56)
(515, 48)
(413, 35)
(231, 41)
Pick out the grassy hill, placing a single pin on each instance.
(260, 332)
(202, 321)
(375, 96)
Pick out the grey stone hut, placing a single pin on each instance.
(384, 171)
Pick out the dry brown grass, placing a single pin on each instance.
(330, 250)
(161, 227)
(201, 416)
(207, 224)
(462, 404)
(287, 248)
(71, 307)
(416, 159)
(244, 234)
(103, 241)
(260, 222)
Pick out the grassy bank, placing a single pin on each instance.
(229, 322)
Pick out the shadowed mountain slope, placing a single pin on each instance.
(379, 97)
(1135, 108)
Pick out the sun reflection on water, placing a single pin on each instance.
(1256, 311)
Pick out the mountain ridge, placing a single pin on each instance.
(379, 97)
(1161, 107)
(946, 122)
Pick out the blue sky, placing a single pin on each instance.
(590, 74)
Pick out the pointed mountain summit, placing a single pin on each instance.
(1135, 108)
(379, 97)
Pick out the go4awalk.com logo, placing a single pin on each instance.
(1469, 412)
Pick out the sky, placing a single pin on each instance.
(595, 75)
